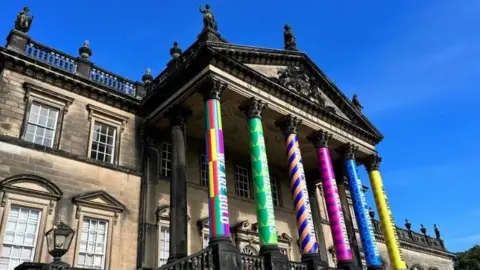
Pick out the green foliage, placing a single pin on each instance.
(468, 260)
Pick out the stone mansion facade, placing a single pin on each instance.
(233, 157)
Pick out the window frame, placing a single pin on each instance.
(106, 252)
(37, 246)
(29, 191)
(115, 141)
(86, 206)
(108, 118)
(249, 182)
(40, 96)
(163, 221)
(277, 192)
(163, 175)
(92, 213)
(204, 182)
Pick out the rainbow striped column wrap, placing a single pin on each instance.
(372, 256)
(334, 207)
(217, 182)
(306, 231)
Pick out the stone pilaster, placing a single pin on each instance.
(315, 206)
(178, 185)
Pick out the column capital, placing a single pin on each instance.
(288, 124)
(254, 108)
(320, 138)
(347, 151)
(213, 89)
(373, 162)
(179, 115)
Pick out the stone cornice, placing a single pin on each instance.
(43, 72)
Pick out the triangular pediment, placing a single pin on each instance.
(99, 199)
(296, 73)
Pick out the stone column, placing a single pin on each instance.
(372, 255)
(225, 254)
(305, 226)
(178, 185)
(334, 208)
(384, 213)
(267, 228)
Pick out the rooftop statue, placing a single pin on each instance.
(208, 18)
(356, 102)
(288, 38)
(23, 21)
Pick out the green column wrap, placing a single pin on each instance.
(267, 228)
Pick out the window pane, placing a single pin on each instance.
(242, 184)
(204, 170)
(20, 237)
(166, 159)
(92, 244)
(41, 125)
(164, 245)
(103, 143)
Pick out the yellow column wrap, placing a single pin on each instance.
(386, 221)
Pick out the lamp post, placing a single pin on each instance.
(59, 239)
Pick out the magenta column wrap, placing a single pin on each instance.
(334, 207)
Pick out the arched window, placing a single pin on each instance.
(249, 250)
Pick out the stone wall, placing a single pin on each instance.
(75, 133)
(75, 178)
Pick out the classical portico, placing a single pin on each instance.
(273, 109)
(233, 157)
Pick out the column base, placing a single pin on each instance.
(348, 265)
(273, 258)
(376, 267)
(226, 256)
(314, 262)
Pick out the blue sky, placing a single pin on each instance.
(412, 63)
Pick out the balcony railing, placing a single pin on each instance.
(297, 266)
(50, 56)
(252, 262)
(70, 64)
(202, 260)
(112, 81)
